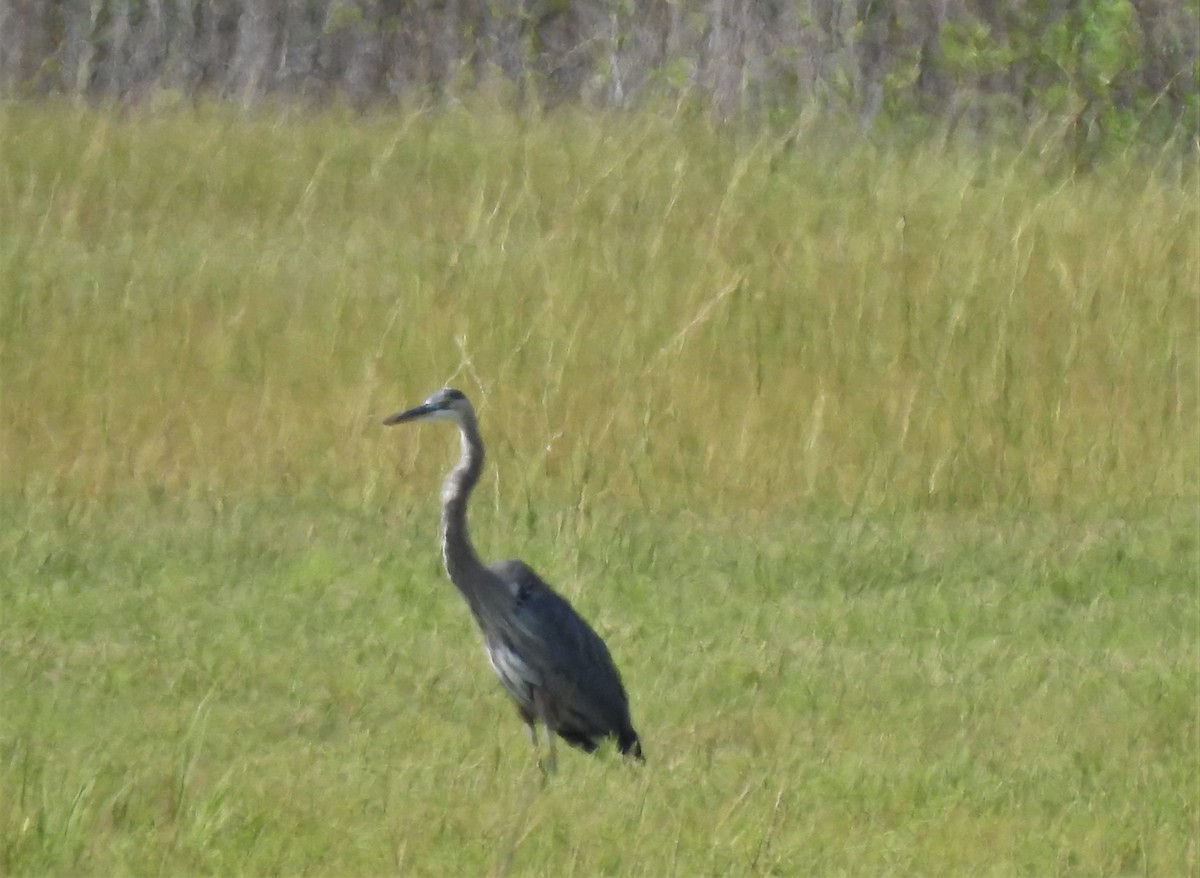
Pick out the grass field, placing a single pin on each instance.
(876, 466)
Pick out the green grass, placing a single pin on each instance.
(876, 467)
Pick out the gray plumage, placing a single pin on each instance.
(555, 667)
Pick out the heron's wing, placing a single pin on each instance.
(575, 665)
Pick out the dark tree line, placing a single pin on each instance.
(1113, 63)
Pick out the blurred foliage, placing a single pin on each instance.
(1110, 73)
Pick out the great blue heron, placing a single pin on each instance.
(555, 667)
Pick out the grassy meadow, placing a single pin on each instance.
(877, 467)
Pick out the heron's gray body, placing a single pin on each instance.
(555, 667)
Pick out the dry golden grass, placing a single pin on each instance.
(205, 302)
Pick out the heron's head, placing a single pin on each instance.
(446, 404)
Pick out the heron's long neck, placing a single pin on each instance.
(462, 564)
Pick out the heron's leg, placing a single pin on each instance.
(539, 702)
(531, 726)
(551, 760)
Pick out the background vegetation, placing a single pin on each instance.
(876, 466)
(1114, 71)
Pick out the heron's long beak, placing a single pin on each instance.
(412, 414)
